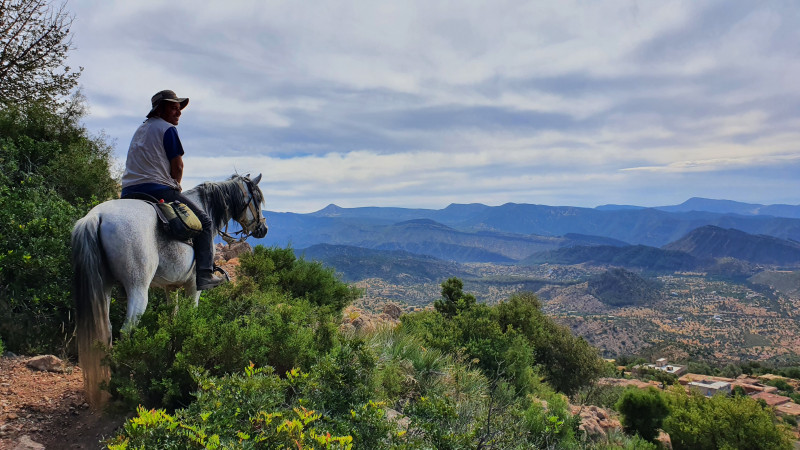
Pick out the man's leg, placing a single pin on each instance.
(203, 243)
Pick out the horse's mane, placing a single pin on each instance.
(223, 199)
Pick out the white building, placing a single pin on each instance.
(709, 388)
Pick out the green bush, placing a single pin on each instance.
(232, 326)
(278, 268)
(513, 339)
(605, 396)
(698, 422)
(643, 412)
(51, 173)
(238, 411)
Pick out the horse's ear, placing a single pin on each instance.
(256, 179)
(247, 176)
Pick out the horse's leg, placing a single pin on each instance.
(191, 291)
(137, 285)
(137, 303)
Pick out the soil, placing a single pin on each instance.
(49, 409)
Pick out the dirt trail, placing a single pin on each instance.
(49, 408)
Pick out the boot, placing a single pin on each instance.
(207, 280)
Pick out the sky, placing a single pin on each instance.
(421, 104)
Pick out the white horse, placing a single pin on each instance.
(120, 241)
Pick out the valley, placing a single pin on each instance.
(710, 280)
(693, 317)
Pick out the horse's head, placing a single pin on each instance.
(250, 216)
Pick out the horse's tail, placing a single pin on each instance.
(91, 307)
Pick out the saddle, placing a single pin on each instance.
(175, 218)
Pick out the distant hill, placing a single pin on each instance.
(632, 256)
(732, 207)
(783, 281)
(418, 236)
(395, 266)
(716, 242)
(620, 287)
(378, 228)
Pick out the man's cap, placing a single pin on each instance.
(166, 96)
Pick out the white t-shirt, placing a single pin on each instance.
(148, 160)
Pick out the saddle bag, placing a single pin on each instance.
(179, 221)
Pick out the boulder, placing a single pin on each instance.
(392, 310)
(595, 422)
(227, 252)
(46, 363)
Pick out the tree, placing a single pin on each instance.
(453, 300)
(643, 412)
(34, 41)
(696, 422)
(568, 361)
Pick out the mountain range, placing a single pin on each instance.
(680, 237)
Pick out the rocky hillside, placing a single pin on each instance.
(620, 287)
(716, 242)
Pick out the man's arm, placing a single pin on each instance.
(174, 151)
(176, 168)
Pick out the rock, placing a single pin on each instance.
(664, 441)
(393, 311)
(595, 422)
(47, 363)
(25, 443)
(401, 420)
(228, 252)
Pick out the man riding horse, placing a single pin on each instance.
(154, 166)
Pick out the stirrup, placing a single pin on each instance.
(224, 272)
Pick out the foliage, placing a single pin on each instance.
(602, 395)
(643, 412)
(567, 361)
(276, 267)
(617, 440)
(513, 340)
(51, 173)
(651, 373)
(388, 389)
(232, 326)
(240, 411)
(454, 300)
(721, 422)
(34, 41)
(781, 384)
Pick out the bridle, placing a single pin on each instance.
(249, 222)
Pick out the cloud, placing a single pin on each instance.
(419, 103)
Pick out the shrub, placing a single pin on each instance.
(454, 300)
(278, 268)
(239, 411)
(567, 361)
(643, 412)
(605, 396)
(231, 327)
(51, 173)
(508, 339)
(697, 422)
